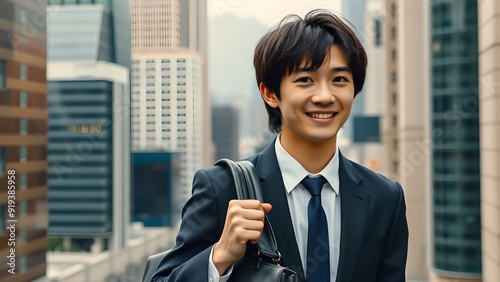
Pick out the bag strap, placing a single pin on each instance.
(247, 185)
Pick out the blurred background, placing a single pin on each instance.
(108, 107)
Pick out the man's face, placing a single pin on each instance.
(315, 104)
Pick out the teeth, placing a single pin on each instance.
(321, 116)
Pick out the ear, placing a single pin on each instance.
(268, 96)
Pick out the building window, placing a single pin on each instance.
(3, 161)
(394, 121)
(394, 9)
(22, 235)
(394, 76)
(23, 99)
(23, 17)
(393, 55)
(395, 144)
(3, 75)
(23, 152)
(23, 72)
(23, 124)
(395, 165)
(394, 99)
(22, 208)
(394, 32)
(378, 32)
(22, 263)
(23, 180)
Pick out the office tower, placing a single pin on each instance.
(354, 12)
(374, 86)
(155, 174)
(225, 123)
(23, 141)
(489, 103)
(89, 30)
(391, 109)
(166, 110)
(169, 86)
(194, 33)
(410, 119)
(456, 210)
(155, 23)
(89, 124)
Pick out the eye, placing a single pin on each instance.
(340, 79)
(304, 79)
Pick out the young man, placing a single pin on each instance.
(353, 228)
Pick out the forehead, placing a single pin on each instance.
(334, 56)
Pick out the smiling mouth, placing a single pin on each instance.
(321, 116)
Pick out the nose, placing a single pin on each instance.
(323, 94)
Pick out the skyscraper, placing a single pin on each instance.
(166, 107)
(89, 123)
(391, 100)
(156, 23)
(489, 121)
(459, 149)
(170, 106)
(225, 123)
(23, 141)
(456, 209)
(409, 107)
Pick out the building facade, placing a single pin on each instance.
(156, 173)
(156, 23)
(456, 209)
(89, 123)
(167, 108)
(89, 30)
(390, 118)
(489, 121)
(89, 154)
(23, 141)
(170, 105)
(225, 121)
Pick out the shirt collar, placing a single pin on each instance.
(293, 172)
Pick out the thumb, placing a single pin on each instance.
(266, 207)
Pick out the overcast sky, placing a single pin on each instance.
(268, 12)
(235, 26)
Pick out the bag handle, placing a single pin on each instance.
(247, 185)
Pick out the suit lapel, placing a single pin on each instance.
(354, 208)
(273, 191)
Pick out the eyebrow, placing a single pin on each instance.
(335, 69)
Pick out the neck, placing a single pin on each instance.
(313, 156)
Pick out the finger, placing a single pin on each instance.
(266, 207)
(252, 214)
(252, 236)
(249, 204)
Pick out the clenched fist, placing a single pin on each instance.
(244, 222)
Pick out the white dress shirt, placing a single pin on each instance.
(298, 199)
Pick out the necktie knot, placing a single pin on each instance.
(314, 185)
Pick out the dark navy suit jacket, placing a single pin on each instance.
(374, 231)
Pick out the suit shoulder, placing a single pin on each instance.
(375, 179)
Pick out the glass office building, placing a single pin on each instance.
(23, 141)
(88, 51)
(455, 133)
(89, 30)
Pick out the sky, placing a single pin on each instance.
(234, 28)
(267, 11)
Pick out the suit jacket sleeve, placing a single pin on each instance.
(393, 263)
(200, 229)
